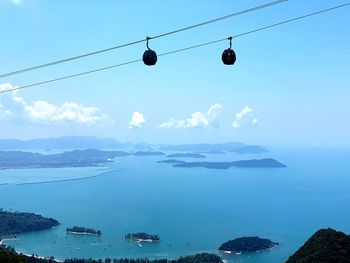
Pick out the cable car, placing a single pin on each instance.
(149, 56)
(229, 56)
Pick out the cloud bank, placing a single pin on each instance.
(197, 119)
(13, 106)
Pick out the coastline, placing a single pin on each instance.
(82, 233)
(64, 180)
(2, 242)
(245, 252)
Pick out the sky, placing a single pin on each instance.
(289, 86)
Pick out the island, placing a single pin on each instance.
(143, 237)
(186, 155)
(235, 147)
(171, 161)
(326, 245)
(262, 163)
(12, 223)
(78, 230)
(247, 244)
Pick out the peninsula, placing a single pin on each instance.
(12, 223)
(247, 244)
(76, 158)
(78, 230)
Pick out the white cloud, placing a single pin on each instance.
(244, 118)
(137, 119)
(6, 86)
(41, 111)
(197, 119)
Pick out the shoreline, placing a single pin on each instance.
(139, 240)
(63, 180)
(82, 233)
(228, 252)
(2, 242)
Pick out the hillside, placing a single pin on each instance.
(19, 222)
(325, 246)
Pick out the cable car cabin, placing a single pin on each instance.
(149, 57)
(228, 57)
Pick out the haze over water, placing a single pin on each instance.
(193, 210)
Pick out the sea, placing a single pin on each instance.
(193, 210)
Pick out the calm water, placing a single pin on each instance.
(193, 210)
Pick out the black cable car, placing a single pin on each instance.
(149, 56)
(229, 56)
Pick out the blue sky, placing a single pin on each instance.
(289, 86)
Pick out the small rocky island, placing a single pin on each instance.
(78, 230)
(142, 237)
(19, 222)
(247, 244)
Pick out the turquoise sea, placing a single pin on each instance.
(192, 209)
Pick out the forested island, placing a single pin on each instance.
(186, 155)
(19, 222)
(247, 244)
(83, 231)
(142, 237)
(262, 163)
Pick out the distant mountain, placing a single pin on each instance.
(217, 148)
(325, 246)
(263, 163)
(69, 142)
